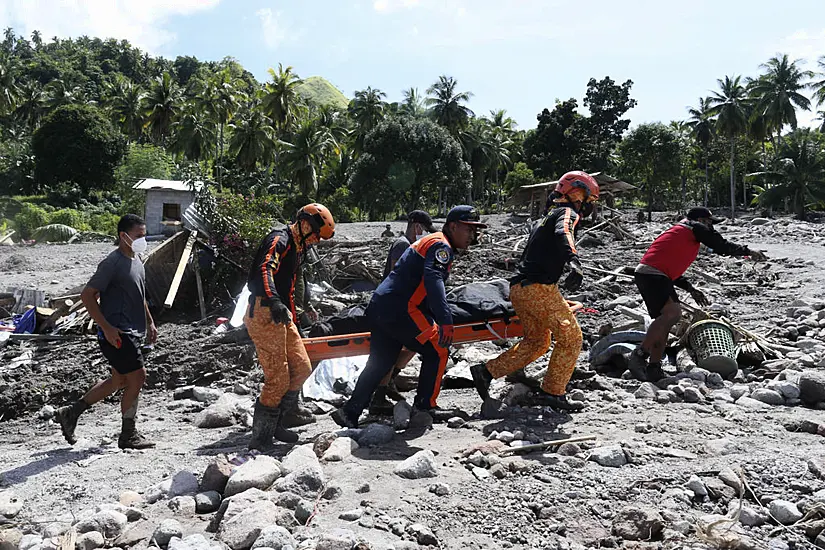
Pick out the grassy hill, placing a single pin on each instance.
(319, 91)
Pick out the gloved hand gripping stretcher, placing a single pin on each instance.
(348, 345)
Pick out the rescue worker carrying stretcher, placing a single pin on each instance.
(270, 320)
(409, 310)
(662, 269)
(537, 301)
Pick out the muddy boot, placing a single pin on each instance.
(392, 390)
(637, 364)
(282, 434)
(557, 402)
(344, 418)
(654, 372)
(264, 423)
(380, 405)
(292, 413)
(482, 380)
(67, 418)
(130, 438)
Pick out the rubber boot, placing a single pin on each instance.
(637, 364)
(292, 413)
(654, 372)
(130, 438)
(344, 418)
(67, 418)
(482, 380)
(558, 402)
(264, 422)
(282, 434)
(380, 405)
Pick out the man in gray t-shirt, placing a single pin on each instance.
(123, 320)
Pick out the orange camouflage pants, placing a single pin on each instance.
(281, 353)
(543, 313)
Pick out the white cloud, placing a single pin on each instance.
(145, 23)
(386, 6)
(803, 44)
(274, 33)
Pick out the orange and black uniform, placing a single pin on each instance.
(403, 312)
(539, 304)
(281, 351)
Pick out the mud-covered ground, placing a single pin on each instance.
(537, 500)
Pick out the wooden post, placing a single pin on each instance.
(176, 280)
(197, 268)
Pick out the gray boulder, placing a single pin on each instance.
(612, 456)
(110, 523)
(637, 523)
(305, 481)
(275, 537)
(259, 472)
(165, 531)
(90, 541)
(241, 531)
(208, 502)
(298, 457)
(812, 387)
(216, 475)
(420, 465)
(376, 434)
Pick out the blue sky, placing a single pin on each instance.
(517, 55)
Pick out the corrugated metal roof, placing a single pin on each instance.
(605, 181)
(169, 185)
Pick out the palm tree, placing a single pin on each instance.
(730, 106)
(281, 101)
(8, 87)
(303, 152)
(31, 105)
(163, 104)
(818, 86)
(777, 92)
(702, 124)
(413, 104)
(59, 94)
(366, 110)
(194, 135)
(501, 123)
(37, 39)
(124, 101)
(218, 97)
(253, 139)
(799, 173)
(447, 105)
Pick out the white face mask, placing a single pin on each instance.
(419, 235)
(139, 246)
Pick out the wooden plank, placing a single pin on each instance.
(197, 268)
(184, 260)
(546, 444)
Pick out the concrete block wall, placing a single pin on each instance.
(155, 199)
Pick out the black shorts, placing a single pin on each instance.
(128, 358)
(655, 290)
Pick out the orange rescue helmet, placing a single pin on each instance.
(583, 181)
(320, 218)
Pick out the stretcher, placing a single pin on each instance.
(348, 345)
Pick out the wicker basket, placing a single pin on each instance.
(713, 347)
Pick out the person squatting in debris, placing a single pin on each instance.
(409, 310)
(538, 302)
(388, 232)
(123, 320)
(270, 320)
(661, 270)
(419, 223)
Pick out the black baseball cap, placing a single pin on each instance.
(699, 212)
(465, 214)
(419, 216)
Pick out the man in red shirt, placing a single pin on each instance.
(662, 269)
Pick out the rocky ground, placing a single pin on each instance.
(695, 462)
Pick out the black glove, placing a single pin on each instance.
(576, 276)
(699, 297)
(279, 311)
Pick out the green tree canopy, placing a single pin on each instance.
(418, 156)
(77, 144)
